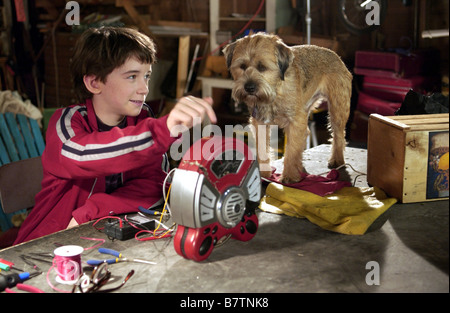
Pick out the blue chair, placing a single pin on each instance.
(20, 139)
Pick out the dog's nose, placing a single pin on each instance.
(250, 87)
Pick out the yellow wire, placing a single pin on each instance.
(162, 213)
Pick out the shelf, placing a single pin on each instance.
(208, 83)
(215, 19)
(241, 19)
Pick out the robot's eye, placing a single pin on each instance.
(226, 163)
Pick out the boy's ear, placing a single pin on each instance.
(92, 84)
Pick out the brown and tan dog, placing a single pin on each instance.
(280, 85)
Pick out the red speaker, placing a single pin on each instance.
(214, 194)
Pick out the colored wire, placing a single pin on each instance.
(166, 204)
(102, 241)
(164, 209)
(163, 233)
(116, 217)
(347, 164)
(156, 235)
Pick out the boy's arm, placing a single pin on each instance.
(75, 152)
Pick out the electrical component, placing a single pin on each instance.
(127, 227)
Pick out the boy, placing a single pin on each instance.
(107, 156)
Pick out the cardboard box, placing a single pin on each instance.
(407, 156)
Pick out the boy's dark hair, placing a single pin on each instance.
(100, 50)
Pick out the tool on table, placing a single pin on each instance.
(24, 287)
(7, 265)
(10, 280)
(4, 266)
(118, 258)
(149, 211)
(43, 257)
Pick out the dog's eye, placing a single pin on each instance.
(261, 67)
(243, 67)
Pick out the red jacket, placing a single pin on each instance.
(78, 157)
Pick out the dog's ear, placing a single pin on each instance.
(228, 53)
(285, 57)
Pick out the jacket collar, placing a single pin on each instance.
(92, 119)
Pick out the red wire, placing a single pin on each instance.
(102, 218)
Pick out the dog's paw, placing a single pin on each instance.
(335, 163)
(290, 178)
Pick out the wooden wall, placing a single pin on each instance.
(398, 30)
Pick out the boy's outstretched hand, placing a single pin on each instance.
(189, 111)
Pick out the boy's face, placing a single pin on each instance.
(123, 93)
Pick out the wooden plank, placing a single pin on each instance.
(415, 167)
(183, 64)
(16, 135)
(122, 3)
(135, 16)
(4, 157)
(430, 119)
(388, 120)
(38, 139)
(429, 127)
(416, 122)
(418, 116)
(385, 157)
(192, 25)
(7, 139)
(27, 136)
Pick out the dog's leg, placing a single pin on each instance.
(297, 134)
(262, 137)
(339, 94)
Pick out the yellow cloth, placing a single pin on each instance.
(350, 210)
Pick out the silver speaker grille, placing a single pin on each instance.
(232, 207)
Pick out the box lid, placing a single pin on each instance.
(421, 122)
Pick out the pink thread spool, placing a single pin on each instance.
(68, 264)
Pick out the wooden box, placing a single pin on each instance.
(407, 156)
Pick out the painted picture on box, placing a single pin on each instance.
(437, 179)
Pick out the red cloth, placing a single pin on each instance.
(318, 185)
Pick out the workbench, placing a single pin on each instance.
(287, 255)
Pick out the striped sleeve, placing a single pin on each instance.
(97, 151)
